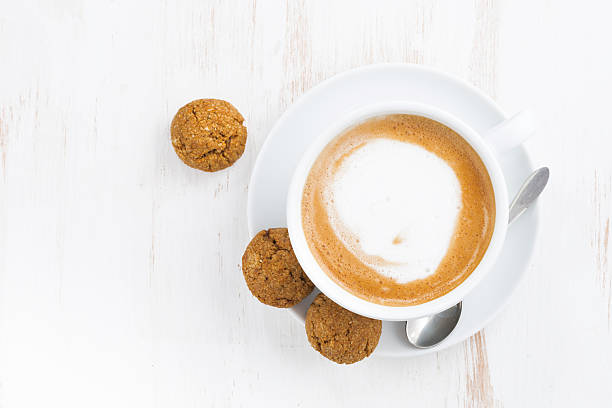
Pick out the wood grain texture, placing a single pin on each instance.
(601, 238)
(479, 390)
(120, 282)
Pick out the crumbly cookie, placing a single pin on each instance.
(339, 334)
(272, 271)
(208, 134)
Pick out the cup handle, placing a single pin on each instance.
(511, 132)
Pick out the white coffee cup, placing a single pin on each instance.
(498, 139)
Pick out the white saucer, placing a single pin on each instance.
(314, 111)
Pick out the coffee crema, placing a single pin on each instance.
(398, 210)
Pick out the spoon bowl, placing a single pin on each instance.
(427, 331)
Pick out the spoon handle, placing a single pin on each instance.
(530, 190)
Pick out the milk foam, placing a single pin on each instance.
(395, 206)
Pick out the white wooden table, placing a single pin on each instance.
(120, 280)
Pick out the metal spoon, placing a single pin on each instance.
(425, 332)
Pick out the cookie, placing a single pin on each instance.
(272, 271)
(339, 334)
(208, 134)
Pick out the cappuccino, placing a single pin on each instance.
(398, 210)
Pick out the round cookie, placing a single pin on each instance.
(208, 134)
(272, 271)
(339, 334)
